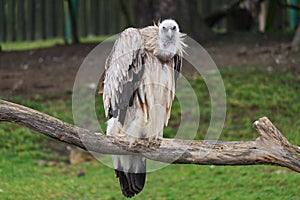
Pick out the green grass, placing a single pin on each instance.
(26, 45)
(91, 39)
(20, 46)
(252, 92)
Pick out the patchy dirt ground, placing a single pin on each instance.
(53, 70)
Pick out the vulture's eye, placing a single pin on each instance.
(174, 28)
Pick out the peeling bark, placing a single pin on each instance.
(270, 148)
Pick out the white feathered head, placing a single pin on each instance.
(168, 30)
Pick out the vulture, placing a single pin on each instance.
(138, 89)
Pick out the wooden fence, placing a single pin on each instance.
(23, 20)
(29, 20)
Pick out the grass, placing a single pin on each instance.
(252, 92)
(25, 45)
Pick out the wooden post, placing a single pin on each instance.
(72, 5)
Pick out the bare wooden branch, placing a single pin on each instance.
(270, 148)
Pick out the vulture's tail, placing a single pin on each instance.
(131, 171)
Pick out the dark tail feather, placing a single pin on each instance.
(131, 183)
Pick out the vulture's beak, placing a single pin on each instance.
(170, 34)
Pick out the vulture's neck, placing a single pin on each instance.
(166, 50)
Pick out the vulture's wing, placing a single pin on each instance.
(177, 66)
(124, 69)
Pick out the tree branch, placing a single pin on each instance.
(270, 148)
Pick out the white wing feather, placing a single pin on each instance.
(124, 68)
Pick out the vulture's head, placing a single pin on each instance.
(168, 39)
(168, 30)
